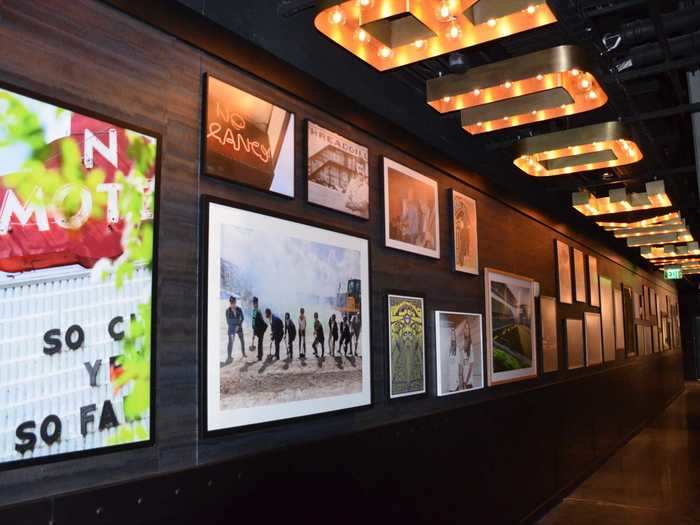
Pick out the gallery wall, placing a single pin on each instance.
(90, 55)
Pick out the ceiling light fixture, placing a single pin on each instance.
(618, 201)
(543, 82)
(580, 149)
(670, 252)
(668, 218)
(659, 239)
(398, 24)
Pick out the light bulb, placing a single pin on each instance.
(364, 3)
(446, 99)
(539, 77)
(508, 84)
(575, 72)
(362, 35)
(454, 31)
(534, 112)
(479, 124)
(531, 9)
(563, 106)
(477, 92)
(592, 95)
(506, 118)
(585, 83)
(337, 17)
(444, 11)
(419, 43)
(385, 52)
(491, 22)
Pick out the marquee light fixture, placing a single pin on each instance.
(392, 33)
(618, 201)
(669, 218)
(532, 88)
(663, 229)
(669, 252)
(659, 239)
(666, 263)
(588, 148)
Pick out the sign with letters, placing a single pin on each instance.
(77, 203)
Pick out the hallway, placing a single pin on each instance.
(654, 479)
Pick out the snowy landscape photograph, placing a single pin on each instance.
(287, 319)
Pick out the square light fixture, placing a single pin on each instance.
(670, 252)
(667, 219)
(544, 85)
(604, 145)
(659, 239)
(392, 33)
(618, 201)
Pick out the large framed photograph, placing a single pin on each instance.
(573, 332)
(411, 210)
(510, 327)
(247, 139)
(580, 275)
(337, 172)
(406, 328)
(593, 338)
(563, 272)
(286, 318)
(548, 329)
(77, 257)
(458, 352)
(465, 245)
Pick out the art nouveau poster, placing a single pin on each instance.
(510, 327)
(458, 352)
(279, 348)
(406, 325)
(77, 213)
(248, 139)
(411, 211)
(464, 233)
(337, 172)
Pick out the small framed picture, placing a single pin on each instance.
(548, 329)
(563, 272)
(510, 327)
(458, 352)
(573, 330)
(411, 210)
(580, 275)
(465, 245)
(337, 172)
(406, 328)
(593, 338)
(593, 280)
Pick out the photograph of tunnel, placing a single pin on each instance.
(510, 318)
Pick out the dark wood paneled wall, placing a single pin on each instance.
(492, 456)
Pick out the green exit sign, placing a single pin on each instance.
(673, 273)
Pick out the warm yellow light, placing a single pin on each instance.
(575, 72)
(362, 35)
(531, 9)
(337, 16)
(454, 31)
(364, 3)
(419, 43)
(585, 83)
(446, 99)
(491, 22)
(444, 11)
(592, 95)
(589, 205)
(385, 52)
(477, 92)
(508, 84)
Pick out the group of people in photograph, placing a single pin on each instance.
(343, 337)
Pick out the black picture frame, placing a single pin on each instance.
(204, 432)
(387, 338)
(305, 177)
(152, 427)
(203, 139)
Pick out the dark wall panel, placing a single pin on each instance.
(428, 458)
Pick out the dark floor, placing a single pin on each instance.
(654, 479)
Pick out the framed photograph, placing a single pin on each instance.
(619, 320)
(77, 284)
(406, 328)
(411, 210)
(607, 313)
(593, 280)
(465, 246)
(593, 338)
(563, 272)
(337, 172)
(247, 139)
(641, 348)
(573, 331)
(510, 327)
(286, 318)
(548, 329)
(580, 275)
(628, 312)
(458, 352)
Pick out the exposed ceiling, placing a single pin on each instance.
(641, 50)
